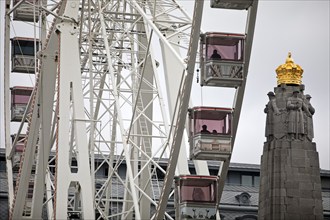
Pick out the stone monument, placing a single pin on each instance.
(290, 183)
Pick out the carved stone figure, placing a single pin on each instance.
(308, 118)
(296, 122)
(271, 110)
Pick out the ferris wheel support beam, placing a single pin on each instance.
(49, 197)
(159, 34)
(172, 81)
(250, 25)
(47, 90)
(71, 99)
(182, 108)
(6, 106)
(23, 180)
(238, 99)
(173, 77)
(119, 115)
(147, 73)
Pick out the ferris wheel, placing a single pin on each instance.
(99, 133)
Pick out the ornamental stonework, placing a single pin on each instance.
(289, 114)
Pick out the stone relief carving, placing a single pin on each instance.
(309, 118)
(271, 110)
(289, 116)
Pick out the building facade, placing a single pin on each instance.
(239, 199)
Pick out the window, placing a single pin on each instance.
(196, 189)
(217, 121)
(24, 47)
(234, 178)
(256, 180)
(228, 46)
(3, 165)
(246, 180)
(250, 180)
(243, 178)
(325, 182)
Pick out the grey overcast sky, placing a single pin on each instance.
(301, 27)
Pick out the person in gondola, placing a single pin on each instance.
(204, 130)
(215, 55)
(215, 69)
(198, 194)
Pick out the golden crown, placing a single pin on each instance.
(289, 73)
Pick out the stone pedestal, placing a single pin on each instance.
(290, 184)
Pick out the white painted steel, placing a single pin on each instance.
(6, 106)
(181, 109)
(100, 101)
(71, 105)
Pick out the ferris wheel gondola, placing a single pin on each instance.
(222, 59)
(231, 4)
(23, 54)
(26, 10)
(196, 197)
(20, 97)
(210, 135)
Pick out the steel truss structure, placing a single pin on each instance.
(99, 101)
